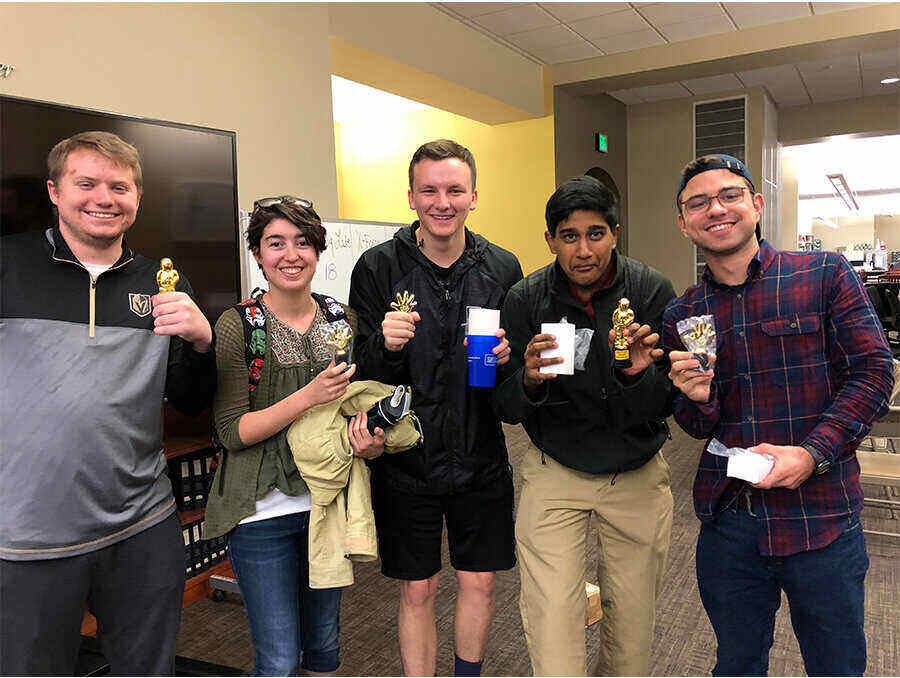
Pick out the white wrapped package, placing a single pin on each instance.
(742, 463)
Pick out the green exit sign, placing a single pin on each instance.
(600, 142)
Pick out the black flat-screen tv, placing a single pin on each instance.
(189, 210)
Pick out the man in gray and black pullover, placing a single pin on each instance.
(89, 349)
(597, 434)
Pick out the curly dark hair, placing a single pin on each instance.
(304, 218)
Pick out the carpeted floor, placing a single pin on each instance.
(684, 643)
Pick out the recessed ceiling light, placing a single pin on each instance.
(890, 80)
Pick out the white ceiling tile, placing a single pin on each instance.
(626, 42)
(824, 7)
(472, 9)
(747, 14)
(573, 11)
(833, 90)
(674, 12)
(715, 83)
(626, 96)
(782, 82)
(759, 77)
(886, 60)
(571, 52)
(685, 30)
(669, 90)
(516, 19)
(790, 97)
(833, 95)
(826, 70)
(610, 24)
(544, 38)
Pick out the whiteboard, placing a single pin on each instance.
(346, 241)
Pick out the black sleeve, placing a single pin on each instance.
(369, 298)
(190, 376)
(651, 396)
(511, 401)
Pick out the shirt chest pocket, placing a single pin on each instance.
(797, 338)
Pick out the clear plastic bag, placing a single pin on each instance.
(583, 339)
(742, 463)
(698, 333)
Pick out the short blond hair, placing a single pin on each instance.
(106, 144)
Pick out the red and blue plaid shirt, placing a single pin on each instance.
(801, 359)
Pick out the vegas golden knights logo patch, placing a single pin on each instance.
(140, 304)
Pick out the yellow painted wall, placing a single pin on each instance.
(515, 174)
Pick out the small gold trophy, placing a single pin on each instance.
(405, 303)
(338, 340)
(622, 317)
(166, 277)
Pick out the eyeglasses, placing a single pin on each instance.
(727, 196)
(263, 203)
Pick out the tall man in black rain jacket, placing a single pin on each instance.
(461, 472)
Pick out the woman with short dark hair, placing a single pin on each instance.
(274, 363)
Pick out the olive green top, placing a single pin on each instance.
(292, 359)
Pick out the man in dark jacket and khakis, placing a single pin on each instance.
(598, 434)
(461, 472)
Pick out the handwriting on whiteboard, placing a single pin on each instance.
(345, 242)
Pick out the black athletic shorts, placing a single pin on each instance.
(480, 529)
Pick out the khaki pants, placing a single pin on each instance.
(634, 515)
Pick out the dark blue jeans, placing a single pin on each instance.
(286, 616)
(741, 591)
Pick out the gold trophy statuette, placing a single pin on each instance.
(166, 277)
(338, 340)
(622, 317)
(405, 303)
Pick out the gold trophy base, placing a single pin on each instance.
(342, 357)
(622, 358)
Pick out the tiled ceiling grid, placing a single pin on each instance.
(557, 32)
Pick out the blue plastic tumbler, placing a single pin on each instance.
(482, 362)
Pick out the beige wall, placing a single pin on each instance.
(790, 193)
(426, 39)
(852, 116)
(576, 120)
(660, 144)
(850, 231)
(887, 228)
(222, 66)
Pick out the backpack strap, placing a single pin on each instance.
(637, 287)
(331, 307)
(253, 320)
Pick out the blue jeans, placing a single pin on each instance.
(286, 616)
(741, 591)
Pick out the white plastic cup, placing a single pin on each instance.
(565, 340)
(483, 321)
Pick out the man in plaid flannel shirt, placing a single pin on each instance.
(801, 372)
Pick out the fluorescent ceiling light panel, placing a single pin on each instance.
(842, 189)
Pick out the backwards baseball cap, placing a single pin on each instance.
(715, 161)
